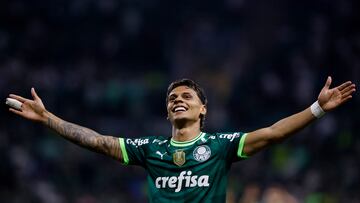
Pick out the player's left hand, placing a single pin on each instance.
(329, 99)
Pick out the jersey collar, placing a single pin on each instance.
(186, 143)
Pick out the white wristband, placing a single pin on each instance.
(316, 110)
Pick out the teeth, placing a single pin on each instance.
(180, 108)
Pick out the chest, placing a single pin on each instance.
(178, 158)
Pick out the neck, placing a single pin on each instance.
(185, 133)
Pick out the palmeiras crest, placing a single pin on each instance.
(179, 157)
(202, 153)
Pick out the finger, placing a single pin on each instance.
(34, 95)
(346, 99)
(344, 85)
(19, 98)
(346, 94)
(351, 91)
(20, 113)
(348, 88)
(328, 82)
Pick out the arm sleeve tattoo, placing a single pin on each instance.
(86, 137)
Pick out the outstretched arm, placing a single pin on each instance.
(328, 100)
(35, 110)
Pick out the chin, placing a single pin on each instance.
(180, 120)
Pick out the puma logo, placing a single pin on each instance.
(161, 155)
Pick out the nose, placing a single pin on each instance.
(178, 100)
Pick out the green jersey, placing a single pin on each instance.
(191, 171)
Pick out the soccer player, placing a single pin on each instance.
(190, 165)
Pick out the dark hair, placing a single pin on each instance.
(193, 85)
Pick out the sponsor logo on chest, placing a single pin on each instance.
(184, 180)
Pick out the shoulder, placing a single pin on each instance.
(147, 140)
(224, 136)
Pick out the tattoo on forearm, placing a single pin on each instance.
(86, 137)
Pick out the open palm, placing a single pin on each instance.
(30, 109)
(329, 99)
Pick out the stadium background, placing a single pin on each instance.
(106, 65)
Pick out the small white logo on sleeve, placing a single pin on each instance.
(202, 153)
(137, 142)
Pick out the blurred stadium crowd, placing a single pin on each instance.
(106, 65)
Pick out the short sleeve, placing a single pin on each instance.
(134, 150)
(232, 144)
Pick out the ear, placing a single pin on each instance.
(203, 110)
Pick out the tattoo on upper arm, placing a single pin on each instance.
(86, 137)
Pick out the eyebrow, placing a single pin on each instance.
(171, 94)
(175, 94)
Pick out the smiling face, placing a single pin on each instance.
(184, 107)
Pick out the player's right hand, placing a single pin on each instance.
(30, 109)
(331, 98)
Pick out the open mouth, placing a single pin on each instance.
(179, 109)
